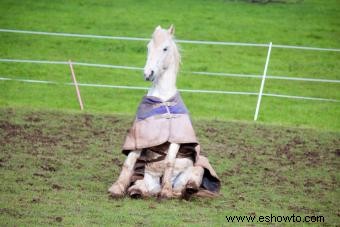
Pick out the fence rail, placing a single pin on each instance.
(140, 69)
(179, 40)
(2, 77)
(259, 94)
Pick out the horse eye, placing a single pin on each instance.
(165, 49)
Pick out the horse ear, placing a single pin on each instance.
(158, 27)
(171, 30)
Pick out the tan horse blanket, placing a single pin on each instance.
(157, 124)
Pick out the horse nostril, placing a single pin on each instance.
(152, 72)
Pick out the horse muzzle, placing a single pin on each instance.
(149, 76)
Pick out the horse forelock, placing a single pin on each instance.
(160, 36)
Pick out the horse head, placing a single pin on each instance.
(163, 54)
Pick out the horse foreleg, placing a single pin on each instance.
(119, 187)
(170, 158)
(194, 182)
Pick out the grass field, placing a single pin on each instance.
(56, 162)
(307, 23)
(57, 166)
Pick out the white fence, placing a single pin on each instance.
(259, 94)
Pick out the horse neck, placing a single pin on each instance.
(165, 86)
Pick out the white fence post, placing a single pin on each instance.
(262, 83)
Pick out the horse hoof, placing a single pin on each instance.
(163, 197)
(166, 194)
(115, 196)
(190, 189)
(135, 194)
(116, 191)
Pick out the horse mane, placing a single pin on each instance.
(159, 34)
(177, 55)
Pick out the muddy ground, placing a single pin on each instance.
(51, 161)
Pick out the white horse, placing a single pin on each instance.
(173, 176)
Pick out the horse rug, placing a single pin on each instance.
(156, 125)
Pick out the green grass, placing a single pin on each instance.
(57, 163)
(57, 166)
(307, 23)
